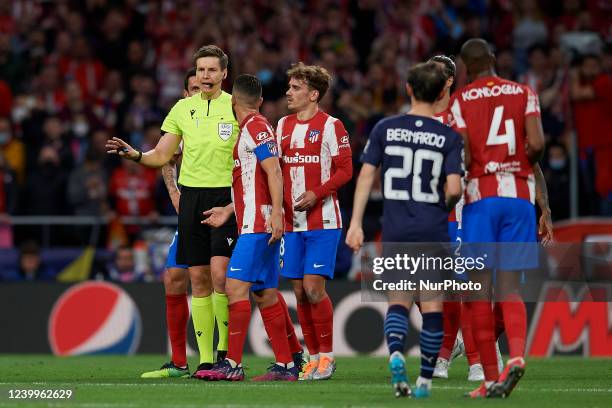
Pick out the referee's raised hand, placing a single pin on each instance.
(118, 146)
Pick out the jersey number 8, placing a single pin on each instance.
(410, 158)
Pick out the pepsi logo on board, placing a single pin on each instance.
(94, 318)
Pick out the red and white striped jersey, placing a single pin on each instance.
(446, 117)
(492, 111)
(315, 156)
(250, 192)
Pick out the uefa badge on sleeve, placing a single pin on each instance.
(225, 131)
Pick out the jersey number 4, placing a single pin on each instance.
(508, 138)
(413, 163)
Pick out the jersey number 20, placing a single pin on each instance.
(413, 163)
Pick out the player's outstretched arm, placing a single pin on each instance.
(169, 174)
(453, 190)
(545, 227)
(275, 223)
(157, 157)
(354, 235)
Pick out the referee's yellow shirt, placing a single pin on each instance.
(209, 131)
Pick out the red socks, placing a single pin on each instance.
(305, 318)
(498, 313)
(177, 314)
(323, 322)
(274, 321)
(239, 318)
(515, 322)
(294, 344)
(471, 351)
(451, 312)
(484, 336)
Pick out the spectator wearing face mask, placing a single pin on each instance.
(556, 172)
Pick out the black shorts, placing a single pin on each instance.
(198, 242)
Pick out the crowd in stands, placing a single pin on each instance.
(75, 73)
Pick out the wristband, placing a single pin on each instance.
(139, 157)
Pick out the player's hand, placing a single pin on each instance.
(275, 226)
(354, 238)
(175, 198)
(216, 216)
(545, 228)
(118, 146)
(305, 201)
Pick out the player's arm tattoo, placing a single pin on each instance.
(545, 225)
(169, 175)
(541, 189)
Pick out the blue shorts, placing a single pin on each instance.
(171, 259)
(454, 232)
(309, 253)
(511, 221)
(254, 261)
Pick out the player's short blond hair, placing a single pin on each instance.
(316, 77)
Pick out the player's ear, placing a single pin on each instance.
(314, 95)
(449, 82)
(185, 93)
(225, 73)
(259, 102)
(409, 90)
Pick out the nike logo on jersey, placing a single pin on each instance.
(234, 269)
(233, 333)
(317, 266)
(284, 137)
(229, 241)
(325, 335)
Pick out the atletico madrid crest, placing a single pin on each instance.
(313, 136)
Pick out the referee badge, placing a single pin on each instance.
(225, 130)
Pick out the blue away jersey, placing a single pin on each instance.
(415, 153)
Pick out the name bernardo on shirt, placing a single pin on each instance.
(418, 137)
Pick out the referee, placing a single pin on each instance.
(206, 125)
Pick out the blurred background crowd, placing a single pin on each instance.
(75, 73)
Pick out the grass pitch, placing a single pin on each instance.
(114, 382)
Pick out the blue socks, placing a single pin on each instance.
(396, 328)
(432, 334)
